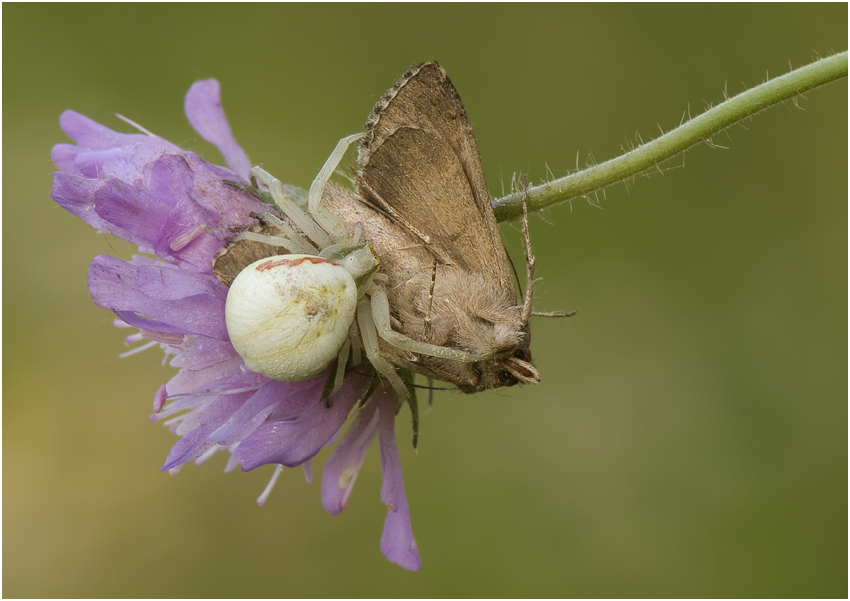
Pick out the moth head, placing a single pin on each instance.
(512, 364)
(517, 368)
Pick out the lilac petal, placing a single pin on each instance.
(397, 541)
(197, 442)
(253, 413)
(75, 194)
(111, 206)
(159, 399)
(63, 156)
(203, 108)
(132, 214)
(185, 236)
(187, 232)
(167, 282)
(124, 163)
(203, 352)
(294, 441)
(344, 464)
(113, 285)
(230, 374)
(231, 206)
(169, 178)
(92, 135)
(303, 396)
(148, 325)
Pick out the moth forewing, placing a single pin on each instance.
(419, 159)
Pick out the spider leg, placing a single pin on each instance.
(288, 207)
(323, 216)
(289, 240)
(369, 334)
(381, 318)
(341, 363)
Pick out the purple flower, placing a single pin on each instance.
(178, 209)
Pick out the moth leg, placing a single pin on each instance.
(381, 317)
(288, 207)
(529, 267)
(330, 222)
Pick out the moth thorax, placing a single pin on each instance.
(508, 335)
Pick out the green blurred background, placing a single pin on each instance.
(689, 437)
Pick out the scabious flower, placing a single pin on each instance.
(178, 209)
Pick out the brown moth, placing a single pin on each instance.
(452, 285)
(424, 211)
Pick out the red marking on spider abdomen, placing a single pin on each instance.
(272, 263)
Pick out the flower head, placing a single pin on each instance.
(179, 210)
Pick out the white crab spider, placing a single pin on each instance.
(271, 310)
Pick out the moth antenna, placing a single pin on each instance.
(553, 313)
(529, 257)
(516, 276)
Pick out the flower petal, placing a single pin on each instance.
(132, 214)
(203, 352)
(397, 541)
(293, 441)
(230, 374)
(75, 194)
(344, 464)
(296, 396)
(115, 285)
(203, 108)
(91, 135)
(196, 442)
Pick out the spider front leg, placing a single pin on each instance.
(323, 216)
(369, 334)
(296, 214)
(381, 318)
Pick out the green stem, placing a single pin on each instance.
(697, 130)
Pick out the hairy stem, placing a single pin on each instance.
(697, 130)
